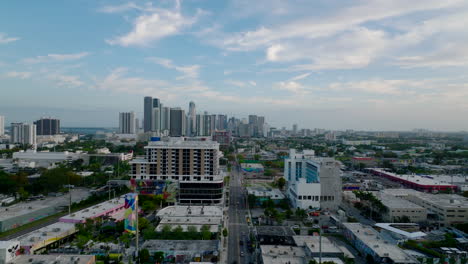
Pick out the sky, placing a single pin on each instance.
(368, 65)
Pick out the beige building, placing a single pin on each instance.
(399, 207)
(443, 208)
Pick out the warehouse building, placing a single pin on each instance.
(185, 216)
(47, 237)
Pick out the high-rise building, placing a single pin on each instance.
(165, 118)
(190, 163)
(23, 133)
(127, 123)
(222, 122)
(294, 129)
(313, 182)
(2, 126)
(147, 113)
(200, 123)
(192, 120)
(207, 124)
(156, 121)
(137, 125)
(177, 125)
(47, 126)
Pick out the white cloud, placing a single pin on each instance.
(20, 75)
(65, 80)
(253, 83)
(56, 57)
(190, 71)
(300, 77)
(119, 8)
(4, 39)
(153, 24)
(240, 83)
(293, 87)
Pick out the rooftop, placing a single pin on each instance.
(263, 191)
(395, 202)
(57, 259)
(313, 243)
(399, 228)
(193, 211)
(274, 254)
(416, 179)
(181, 245)
(183, 142)
(94, 211)
(381, 247)
(48, 233)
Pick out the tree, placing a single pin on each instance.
(205, 232)
(225, 232)
(301, 213)
(192, 232)
(143, 223)
(251, 200)
(144, 255)
(178, 232)
(159, 256)
(281, 183)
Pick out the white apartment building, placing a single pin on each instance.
(313, 182)
(192, 163)
(23, 133)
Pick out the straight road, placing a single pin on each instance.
(238, 228)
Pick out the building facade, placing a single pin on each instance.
(191, 163)
(313, 183)
(177, 123)
(2, 126)
(23, 133)
(47, 126)
(127, 123)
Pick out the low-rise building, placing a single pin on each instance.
(400, 232)
(252, 167)
(183, 251)
(417, 182)
(445, 209)
(369, 242)
(113, 208)
(263, 194)
(56, 259)
(47, 237)
(399, 208)
(44, 158)
(186, 216)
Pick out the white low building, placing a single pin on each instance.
(196, 216)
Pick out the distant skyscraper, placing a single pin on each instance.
(222, 122)
(192, 118)
(165, 118)
(200, 125)
(137, 125)
(23, 133)
(127, 123)
(2, 126)
(294, 130)
(147, 113)
(177, 128)
(47, 126)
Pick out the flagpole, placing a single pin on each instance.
(137, 237)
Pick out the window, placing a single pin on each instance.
(300, 197)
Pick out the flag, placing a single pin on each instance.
(130, 216)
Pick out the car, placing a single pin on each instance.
(242, 253)
(295, 227)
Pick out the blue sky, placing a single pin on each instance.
(378, 65)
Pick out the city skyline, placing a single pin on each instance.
(374, 65)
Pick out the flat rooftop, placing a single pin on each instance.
(313, 243)
(192, 211)
(28, 207)
(372, 239)
(48, 233)
(183, 142)
(274, 254)
(96, 210)
(182, 245)
(395, 202)
(399, 228)
(441, 199)
(416, 179)
(252, 165)
(58, 259)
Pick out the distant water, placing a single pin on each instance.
(88, 130)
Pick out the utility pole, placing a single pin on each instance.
(320, 245)
(137, 232)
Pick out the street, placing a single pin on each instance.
(238, 228)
